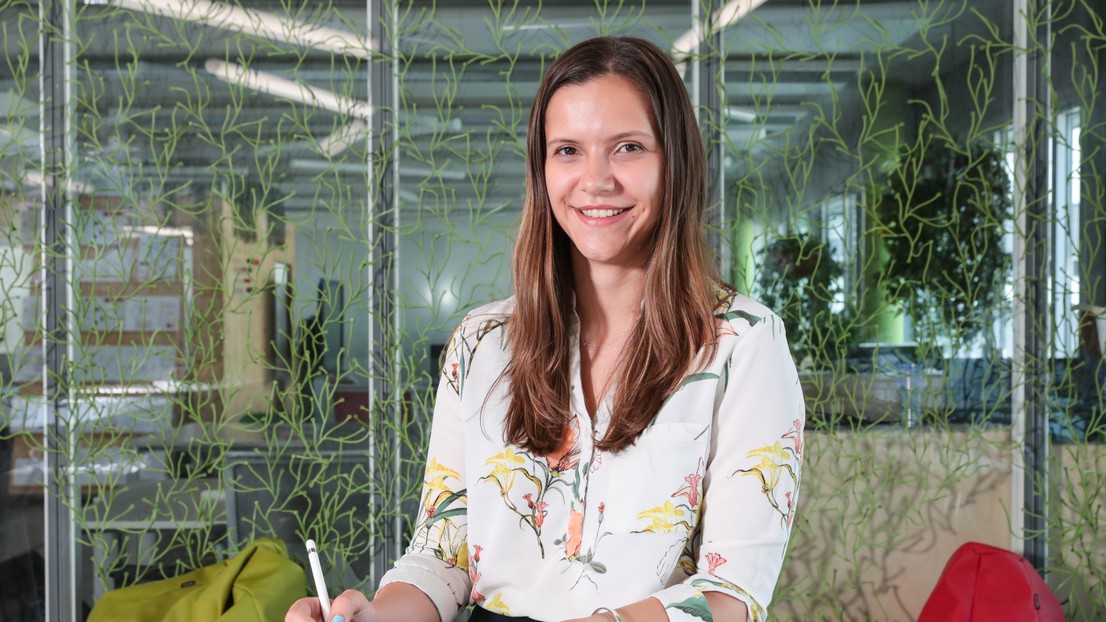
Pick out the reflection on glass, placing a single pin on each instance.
(874, 219)
(24, 412)
(221, 180)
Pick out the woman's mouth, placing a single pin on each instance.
(602, 212)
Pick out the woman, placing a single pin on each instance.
(621, 440)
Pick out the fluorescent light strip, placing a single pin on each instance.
(185, 232)
(732, 13)
(36, 178)
(249, 21)
(341, 139)
(233, 73)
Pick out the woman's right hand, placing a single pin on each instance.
(351, 605)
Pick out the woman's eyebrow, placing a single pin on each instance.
(613, 138)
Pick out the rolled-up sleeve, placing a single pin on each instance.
(436, 561)
(751, 483)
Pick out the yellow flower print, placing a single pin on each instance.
(463, 557)
(436, 489)
(773, 458)
(496, 605)
(776, 463)
(437, 473)
(665, 518)
(503, 465)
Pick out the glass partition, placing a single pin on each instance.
(1076, 323)
(277, 214)
(220, 287)
(865, 166)
(24, 410)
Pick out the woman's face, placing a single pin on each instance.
(604, 169)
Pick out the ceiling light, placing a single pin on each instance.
(740, 115)
(36, 178)
(732, 13)
(233, 73)
(341, 139)
(250, 21)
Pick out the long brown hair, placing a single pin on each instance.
(677, 315)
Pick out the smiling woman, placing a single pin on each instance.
(582, 427)
(604, 173)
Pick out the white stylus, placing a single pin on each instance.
(320, 583)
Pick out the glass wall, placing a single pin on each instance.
(23, 409)
(225, 293)
(1076, 125)
(874, 211)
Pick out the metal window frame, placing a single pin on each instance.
(383, 276)
(1031, 115)
(57, 155)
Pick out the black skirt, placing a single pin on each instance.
(483, 615)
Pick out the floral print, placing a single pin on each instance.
(714, 560)
(442, 506)
(564, 533)
(511, 467)
(584, 561)
(778, 462)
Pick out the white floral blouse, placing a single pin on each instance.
(703, 501)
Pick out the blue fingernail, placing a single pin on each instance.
(337, 619)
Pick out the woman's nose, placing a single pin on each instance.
(598, 178)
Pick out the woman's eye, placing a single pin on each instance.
(631, 147)
(567, 150)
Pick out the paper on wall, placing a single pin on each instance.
(27, 413)
(26, 363)
(137, 314)
(101, 227)
(150, 313)
(158, 257)
(28, 226)
(111, 265)
(29, 316)
(28, 471)
(112, 364)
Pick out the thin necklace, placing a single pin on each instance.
(622, 336)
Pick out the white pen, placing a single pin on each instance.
(320, 583)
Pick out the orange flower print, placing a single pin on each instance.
(796, 436)
(453, 371)
(567, 456)
(691, 490)
(540, 513)
(477, 597)
(575, 532)
(714, 560)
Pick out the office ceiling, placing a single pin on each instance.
(462, 106)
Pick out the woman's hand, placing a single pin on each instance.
(350, 606)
